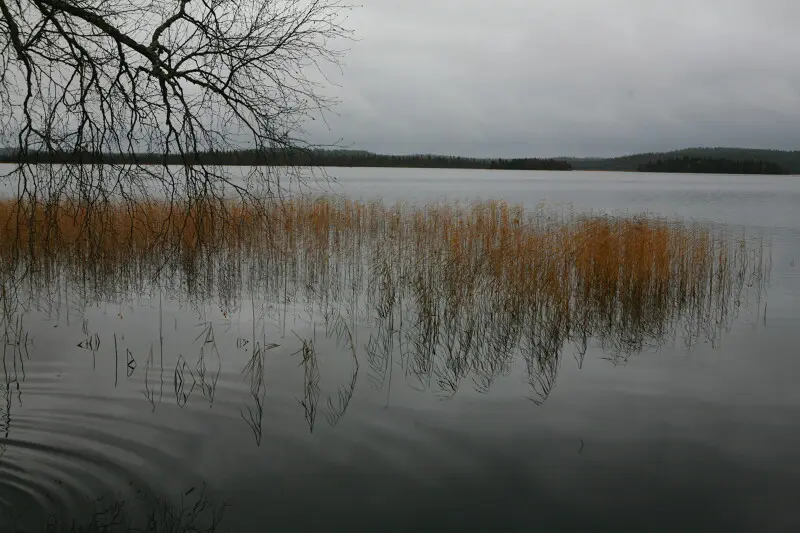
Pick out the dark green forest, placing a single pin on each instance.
(789, 161)
(711, 165)
(327, 158)
(727, 160)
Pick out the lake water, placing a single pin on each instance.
(118, 405)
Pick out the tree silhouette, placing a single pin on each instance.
(176, 77)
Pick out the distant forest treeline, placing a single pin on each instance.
(733, 160)
(711, 165)
(789, 161)
(327, 158)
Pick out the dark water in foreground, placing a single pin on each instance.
(155, 407)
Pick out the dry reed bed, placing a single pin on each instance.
(468, 285)
(599, 258)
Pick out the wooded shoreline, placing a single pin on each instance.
(701, 160)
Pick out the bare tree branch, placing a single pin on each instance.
(180, 77)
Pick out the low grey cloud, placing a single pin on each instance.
(568, 77)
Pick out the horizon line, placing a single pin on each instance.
(434, 154)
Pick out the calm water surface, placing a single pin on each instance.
(146, 405)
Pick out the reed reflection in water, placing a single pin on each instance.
(446, 293)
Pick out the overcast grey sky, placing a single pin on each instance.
(569, 77)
